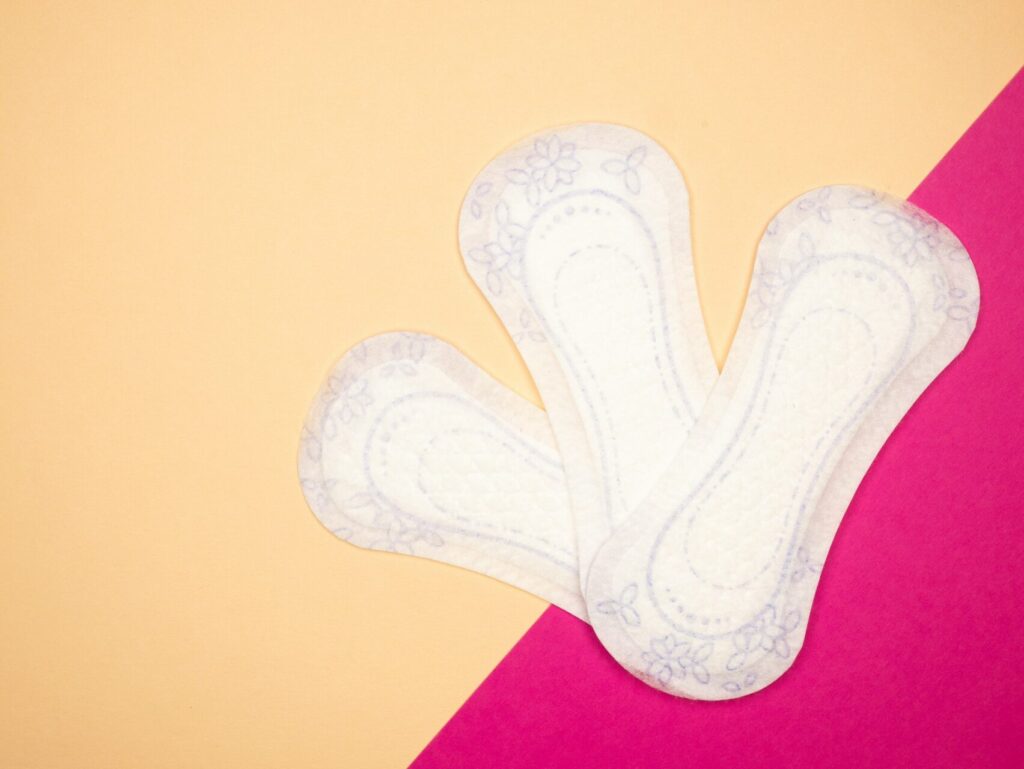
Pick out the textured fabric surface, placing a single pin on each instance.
(582, 233)
(410, 448)
(858, 301)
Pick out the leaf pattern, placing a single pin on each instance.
(628, 168)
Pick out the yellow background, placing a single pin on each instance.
(202, 205)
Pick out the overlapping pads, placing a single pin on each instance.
(684, 514)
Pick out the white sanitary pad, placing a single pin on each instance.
(858, 301)
(411, 448)
(579, 237)
(697, 524)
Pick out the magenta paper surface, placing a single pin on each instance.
(913, 656)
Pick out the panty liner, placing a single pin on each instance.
(579, 238)
(710, 517)
(858, 301)
(411, 448)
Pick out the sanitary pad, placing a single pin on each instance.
(581, 234)
(857, 303)
(696, 511)
(411, 448)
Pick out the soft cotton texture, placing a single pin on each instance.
(411, 448)
(579, 238)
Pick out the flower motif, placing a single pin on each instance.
(526, 330)
(406, 352)
(771, 280)
(396, 532)
(480, 192)
(668, 657)
(864, 199)
(400, 535)
(317, 492)
(818, 203)
(552, 163)
(956, 253)
(767, 633)
(737, 686)
(347, 400)
(776, 630)
(504, 254)
(627, 168)
(954, 302)
(746, 641)
(318, 495)
(623, 606)
(804, 566)
(913, 236)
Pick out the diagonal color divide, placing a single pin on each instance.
(913, 655)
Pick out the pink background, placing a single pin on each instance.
(912, 656)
